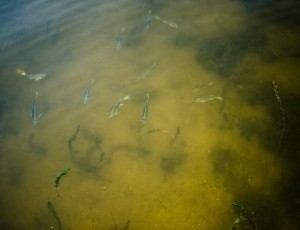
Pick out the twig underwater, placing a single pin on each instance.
(276, 92)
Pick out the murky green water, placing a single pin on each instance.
(189, 162)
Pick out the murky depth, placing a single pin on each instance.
(169, 114)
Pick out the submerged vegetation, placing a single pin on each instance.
(222, 54)
(52, 210)
(59, 176)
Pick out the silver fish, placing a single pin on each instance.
(114, 110)
(167, 22)
(36, 77)
(144, 74)
(148, 21)
(87, 93)
(145, 112)
(207, 98)
(198, 87)
(120, 39)
(34, 111)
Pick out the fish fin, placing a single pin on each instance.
(127, 97)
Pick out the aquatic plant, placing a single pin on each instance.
(276, 92)
(244, 219)
(52, 210)
(63, 173)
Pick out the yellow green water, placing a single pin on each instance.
(204, 157)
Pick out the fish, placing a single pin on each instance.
(35, 77)
(151, 131)
(34, 111)
(114, 110)
(198, 87)
(120, 39)
(207, 98)
(168, 22)
(148, 21)
(144, 74)
(145, 111)
(87, 93)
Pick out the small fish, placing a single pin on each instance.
(145, 112)
(198, 87)
(36, 77)
(34, 111)
(167, 22)
(21, 72)
(87, 93)
(144, 74)
(151, 131)
(114, 110)
(207, 98)
(148, 21)
(120, 39)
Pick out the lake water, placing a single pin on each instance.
(231, 162)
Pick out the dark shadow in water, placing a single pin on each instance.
(16, 175)
(268, 210)
(141, 151)
(225, 165)
(134, 38)
(10, 126)
(34, 147)
(171, 162)
(227, 170)
(253, 95)
(183, 40)
(90, 160)
(284, 13)
(221, 54)
(3, 106)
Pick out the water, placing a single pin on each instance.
(189, 162)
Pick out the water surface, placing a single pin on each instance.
(187, 165)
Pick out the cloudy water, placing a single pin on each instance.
(149, 114)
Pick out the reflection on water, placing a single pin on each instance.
(230, 163)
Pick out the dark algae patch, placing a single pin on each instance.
(227, 168)
(244, 219)
(221, 54)
(170, 163)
